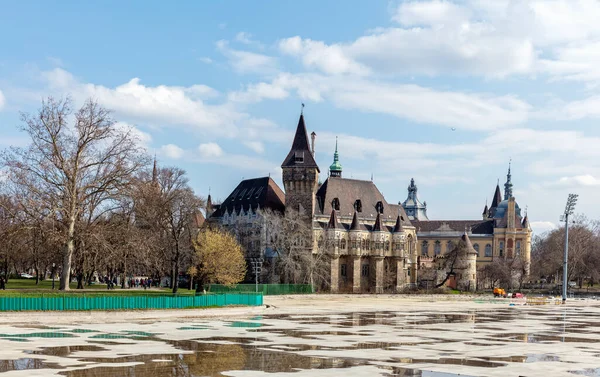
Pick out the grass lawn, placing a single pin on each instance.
(28, 288)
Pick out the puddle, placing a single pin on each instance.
(66, 350)
(25, 364)
(590, 372)
(39, 335)
(244, 324)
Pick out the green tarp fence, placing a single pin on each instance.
(265, 289)
(128, 302)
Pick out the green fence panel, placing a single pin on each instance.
(266, 289)
(83, 302)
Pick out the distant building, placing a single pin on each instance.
(372, 245)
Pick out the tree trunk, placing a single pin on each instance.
(68, 254)
(176, 276)
(80, 280)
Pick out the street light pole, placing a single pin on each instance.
(569, 208)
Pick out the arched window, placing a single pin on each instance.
(501, 248)
(476, 247)
(358, 205)
(437, 248)
(363, 244)
(379, 207)
(518, 249)
(343, 244)
(488, 250)
(449, 246)
(335, 203)
(425, 248)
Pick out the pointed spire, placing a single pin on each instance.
(497, 197)
(356, 225)
(377, 226)
(398, 226)
(333, 222)
(154, 171)
(485, 209)
(508, 185)
(208, 204)
(335, 169)
(300, 154)
(469, 249)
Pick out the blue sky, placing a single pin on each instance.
(442, 91)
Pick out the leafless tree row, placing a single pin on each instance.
(84, 198)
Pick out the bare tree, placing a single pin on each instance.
(73, 158)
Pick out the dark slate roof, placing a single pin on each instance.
(333, 222)
(300, 145)
(348, 191)
(252, 193)
(398, 226)
(357, 225)
(476, 226)
(377, 225)
(485, 210)
(497, 197)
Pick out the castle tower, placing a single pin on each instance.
(468, 256)
(300, 174)
(412, 205)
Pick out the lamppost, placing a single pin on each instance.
(53, 273)
(256, 266)
(571, 201)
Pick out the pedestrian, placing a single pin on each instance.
(2, 283)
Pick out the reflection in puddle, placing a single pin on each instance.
(398, 343)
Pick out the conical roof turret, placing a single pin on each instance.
(333, 222)
(398, 227)
(469, 249)
(497, 197)
(356, 225)
(377, 226)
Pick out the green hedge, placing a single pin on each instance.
(265, 289)
(127, 302)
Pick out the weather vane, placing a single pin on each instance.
(302, 110)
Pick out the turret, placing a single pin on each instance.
(335, 169)
(508, 185)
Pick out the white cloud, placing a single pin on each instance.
(541, 227)
(210, 150)
(256, 146)
(246, 61)
(2, 100)
(206, 60)
(330, 59)
(469, 37)
(586, 180)
(172, 151)
(156, 105)
(473, 111)
(142, 138)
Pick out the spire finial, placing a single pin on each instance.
(336, 144)
(302, 109)
(371, 177)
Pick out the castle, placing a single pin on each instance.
(373, 245)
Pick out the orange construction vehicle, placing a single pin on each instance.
(499, 292)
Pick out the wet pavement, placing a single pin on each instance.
(492, 340)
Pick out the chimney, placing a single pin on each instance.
(313, 136)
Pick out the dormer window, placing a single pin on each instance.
(250, 192)
(242, 194)
(335, 204)
(258, 192)
(358, 205)
(299, 157)
(379, 207)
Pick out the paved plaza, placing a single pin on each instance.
(319, 335)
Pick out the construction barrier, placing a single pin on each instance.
(128, 302)
(265, 289)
